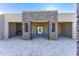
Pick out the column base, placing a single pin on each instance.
(52, 36)
(26, 36)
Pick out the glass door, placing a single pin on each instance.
(40, 30)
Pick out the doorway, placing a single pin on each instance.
(40, 30)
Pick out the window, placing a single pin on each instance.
(53, 27)
(26, 27)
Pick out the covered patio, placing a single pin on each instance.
(65, 29)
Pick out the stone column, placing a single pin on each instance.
(77, 22)
(78, 29)
(52, 35)
(26, 35)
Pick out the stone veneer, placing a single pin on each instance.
(50, 16)
(77, 21)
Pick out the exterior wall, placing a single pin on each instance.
(2, 26)
(51, 16)
(10, 18)
(66, 17)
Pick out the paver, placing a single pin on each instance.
(38, 47)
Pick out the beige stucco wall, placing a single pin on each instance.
(66, 17)
(15, 17)
(69, 17)
(2, 26)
